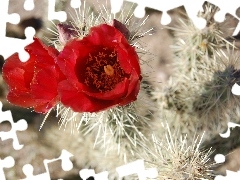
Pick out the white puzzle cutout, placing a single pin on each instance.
(66, 164)
(86, 173)
(9, 46)
(7, 162)
(12, 45)
(137, 167)
(29, 5)
(192, 8)
(20, 125)
(230, 175)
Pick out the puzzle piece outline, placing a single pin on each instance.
(66, 164)
(139, 8)
(7, 162)
(20, 125)
(192, 8)
(12, 45)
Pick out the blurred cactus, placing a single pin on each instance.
(177, 158)
(198, 98)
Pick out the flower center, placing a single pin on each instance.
(109, 70)
(103, 70)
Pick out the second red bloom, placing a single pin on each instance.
(102, 70)
(33, 84)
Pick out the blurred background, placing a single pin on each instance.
(48, 143)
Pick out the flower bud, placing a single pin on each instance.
(121, 27)
(66, 32)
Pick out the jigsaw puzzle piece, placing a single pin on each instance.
(116, 6)
(21, 125)
(227, 133)
(172, 4)
(237, 29)
(12, 45)
(13, 18)
(52, 14)
(28, 171)
(66, 164)
(75, 3)
(230, 175)
(137, 167)
(236, 88)
(219, 158)
(29, 5)
(23, 9)
(7, 162)
(230, 7)
(192, 9)
(32, 14)
(139, 12)
(85, 174)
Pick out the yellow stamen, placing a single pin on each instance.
(109, 70)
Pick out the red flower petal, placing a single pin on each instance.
(20, 98)
(79, 101)
(128, 59)
(133, 91)
(44, 84)
(104, 35)
(17, 74)
(133, 59)
(33, 83)
(44, 55)
(44, 107)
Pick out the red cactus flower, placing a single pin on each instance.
(33, 83)
(102, 70)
